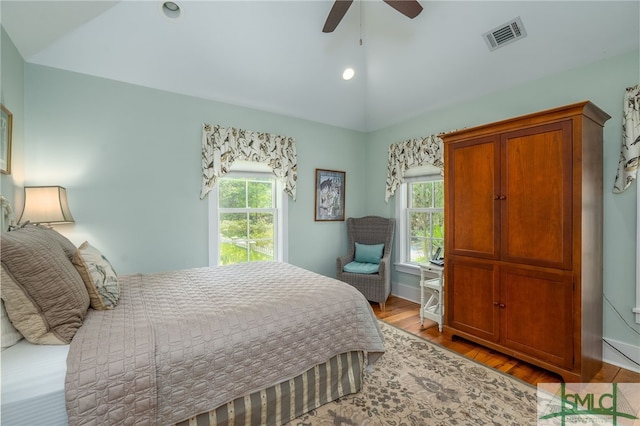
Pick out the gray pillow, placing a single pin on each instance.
(43, 292)
(68, 247)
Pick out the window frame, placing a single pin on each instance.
(281, 251)
(403, 234)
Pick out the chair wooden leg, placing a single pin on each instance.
(381, 306)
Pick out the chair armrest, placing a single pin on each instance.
(341, 261)
(385, 266)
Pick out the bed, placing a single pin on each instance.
(254, 343)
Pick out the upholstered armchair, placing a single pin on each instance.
(374, 281)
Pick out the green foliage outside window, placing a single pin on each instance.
(426, 219)
(247, 220)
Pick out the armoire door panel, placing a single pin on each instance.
(471, 298)
(536, 182)
(537, 314)
(471, 202)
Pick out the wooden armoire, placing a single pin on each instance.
(523, 238)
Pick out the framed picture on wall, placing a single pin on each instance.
(330, 186)
(6, 123)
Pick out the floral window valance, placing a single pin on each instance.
(411, 153)
(630, 152)
(221, 147)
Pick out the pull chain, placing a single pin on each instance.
(360, 12)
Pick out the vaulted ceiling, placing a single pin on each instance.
(273, 55)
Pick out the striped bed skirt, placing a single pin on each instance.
(283, 402)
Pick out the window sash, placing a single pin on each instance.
(432, 241)
(279, 212)
(404, 210)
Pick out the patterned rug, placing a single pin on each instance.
(419, 383)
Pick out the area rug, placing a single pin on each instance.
(420, 383)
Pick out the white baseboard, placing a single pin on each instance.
(407, 292)
(612, 356)
(609, 355)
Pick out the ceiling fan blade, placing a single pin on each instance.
(336, 14)
(409, 8)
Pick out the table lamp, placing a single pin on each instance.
(45, 204)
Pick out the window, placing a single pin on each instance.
(420, 213)
(246, 220)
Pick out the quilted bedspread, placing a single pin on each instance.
(184, 342)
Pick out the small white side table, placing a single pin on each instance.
(431, 294)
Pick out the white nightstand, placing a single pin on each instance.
(431, 293)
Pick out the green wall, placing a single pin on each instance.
(129, 157)
(12, 97)
(604, 84)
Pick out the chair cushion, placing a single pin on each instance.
(361, 267)
(369, 253)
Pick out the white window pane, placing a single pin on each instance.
(260, 193)
(246, 219)
(437, 225)
(233, 226)
(438, 197)
(420, 224)
(420, 213)
(232, 193)
(419, 249)
(421, 195)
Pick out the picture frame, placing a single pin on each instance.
(6, 125)
(330, 191)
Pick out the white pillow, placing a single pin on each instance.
(10, 336)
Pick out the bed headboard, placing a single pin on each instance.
(7, 218)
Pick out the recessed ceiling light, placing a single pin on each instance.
(171, 9)
(348, 74)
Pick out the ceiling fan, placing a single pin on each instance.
(409, 8)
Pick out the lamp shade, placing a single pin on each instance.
(46, 204)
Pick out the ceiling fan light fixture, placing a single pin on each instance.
(171, 9)
(348, 74)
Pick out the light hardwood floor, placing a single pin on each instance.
(405, 314)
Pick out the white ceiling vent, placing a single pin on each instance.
(505, 34)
